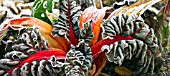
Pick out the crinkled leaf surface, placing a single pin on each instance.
(45, 30)
(140, 49)
(68, 21)
(80, 60)
(30, 55)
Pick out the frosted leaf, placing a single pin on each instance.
(139, 51)
(79, 59)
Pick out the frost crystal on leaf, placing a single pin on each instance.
(140, 50)
(80, 60)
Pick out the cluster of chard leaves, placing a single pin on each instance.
(40, 9)
(68, 23)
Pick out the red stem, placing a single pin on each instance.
(40, 55)
(96, 49)
(72, 38)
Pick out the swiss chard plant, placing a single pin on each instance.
(84, 41)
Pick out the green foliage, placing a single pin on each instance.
(164, 35)
(40, 9)
(163, 23)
